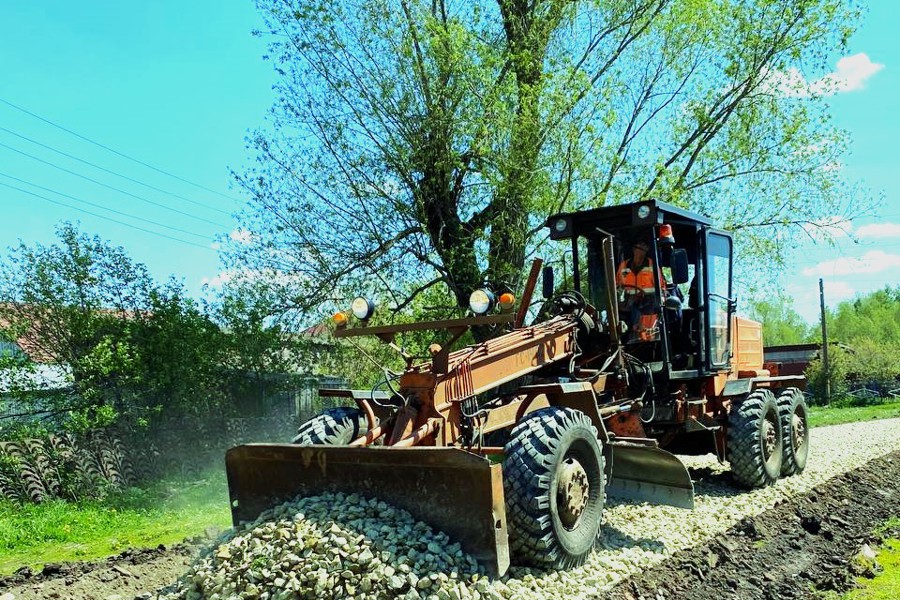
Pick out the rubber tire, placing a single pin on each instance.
(333, 427)
(538, 444)
(745, 445)
(791, 402)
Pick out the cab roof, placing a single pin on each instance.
(635, 214)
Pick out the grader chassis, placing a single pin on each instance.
(583, 401)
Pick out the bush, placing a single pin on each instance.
(859, 376)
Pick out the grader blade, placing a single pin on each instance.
(455, 491)
(648, 474)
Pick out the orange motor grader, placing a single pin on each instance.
(511, 445)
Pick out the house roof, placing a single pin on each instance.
(27, 342)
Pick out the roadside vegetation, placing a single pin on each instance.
(863, 349)
(886, 584)
(165, 512)
(820, 416)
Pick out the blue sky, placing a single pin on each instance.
(175, 84)
(178, 85)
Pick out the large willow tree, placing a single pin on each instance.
(419, 146)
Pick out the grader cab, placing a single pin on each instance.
(511, 445)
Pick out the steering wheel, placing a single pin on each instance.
(637, 295)
(568, 302)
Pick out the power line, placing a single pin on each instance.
(156, 233)
(100, 183)
(100, 206)
(111, 172)
(116, 152)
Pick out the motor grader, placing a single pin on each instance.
(511, 445)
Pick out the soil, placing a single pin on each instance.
(805, 546)
(133, 574)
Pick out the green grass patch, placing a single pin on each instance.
(829, 415)
(165, 512)
(885, 585)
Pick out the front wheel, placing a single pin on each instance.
(755, 447)
(333, 427)
(555, 488)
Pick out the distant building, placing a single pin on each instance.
(791, 359)
(43, 377)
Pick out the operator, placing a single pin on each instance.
(635, 277)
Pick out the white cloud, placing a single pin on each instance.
(850, 74)
(241, 236)
(215, 246)
(271, 276)
(874, 261)
(836, 291)
(218, 280)
(879, 230)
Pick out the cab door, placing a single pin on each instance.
(718, 299)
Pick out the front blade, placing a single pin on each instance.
(457, 492)
(648, 474)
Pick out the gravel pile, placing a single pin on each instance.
(335, 546)
(349, 547)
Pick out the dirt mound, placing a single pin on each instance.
(803, 546)
(131, 574)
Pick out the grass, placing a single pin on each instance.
(830, 415)
(885, 585)
(166, 512)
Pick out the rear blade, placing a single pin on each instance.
(452, 490)
(648, 474)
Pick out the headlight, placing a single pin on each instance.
(643, 211)
(507, 301)
(362, 308)
(481, 301)
(560, 225)
(339, 319)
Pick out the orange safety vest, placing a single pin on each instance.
(642, 278)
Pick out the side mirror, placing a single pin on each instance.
(548, 281)
(679, 266)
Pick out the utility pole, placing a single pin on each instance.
(825, 366)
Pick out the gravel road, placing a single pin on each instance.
(634, 536)
(638, 536)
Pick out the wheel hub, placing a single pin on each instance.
(798, 431)
(770, 438)
(572, 492)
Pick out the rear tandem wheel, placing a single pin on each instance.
(795, 431)
(555, 488)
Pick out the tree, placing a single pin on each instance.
(425, 143)
(874, 318)
(780, 322)
(868, 329)
(128, 346)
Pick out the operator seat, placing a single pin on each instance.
(686, 343)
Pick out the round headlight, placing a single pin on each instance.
(481, 301)
(362, 308)
(560, 225)
(643, 211)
